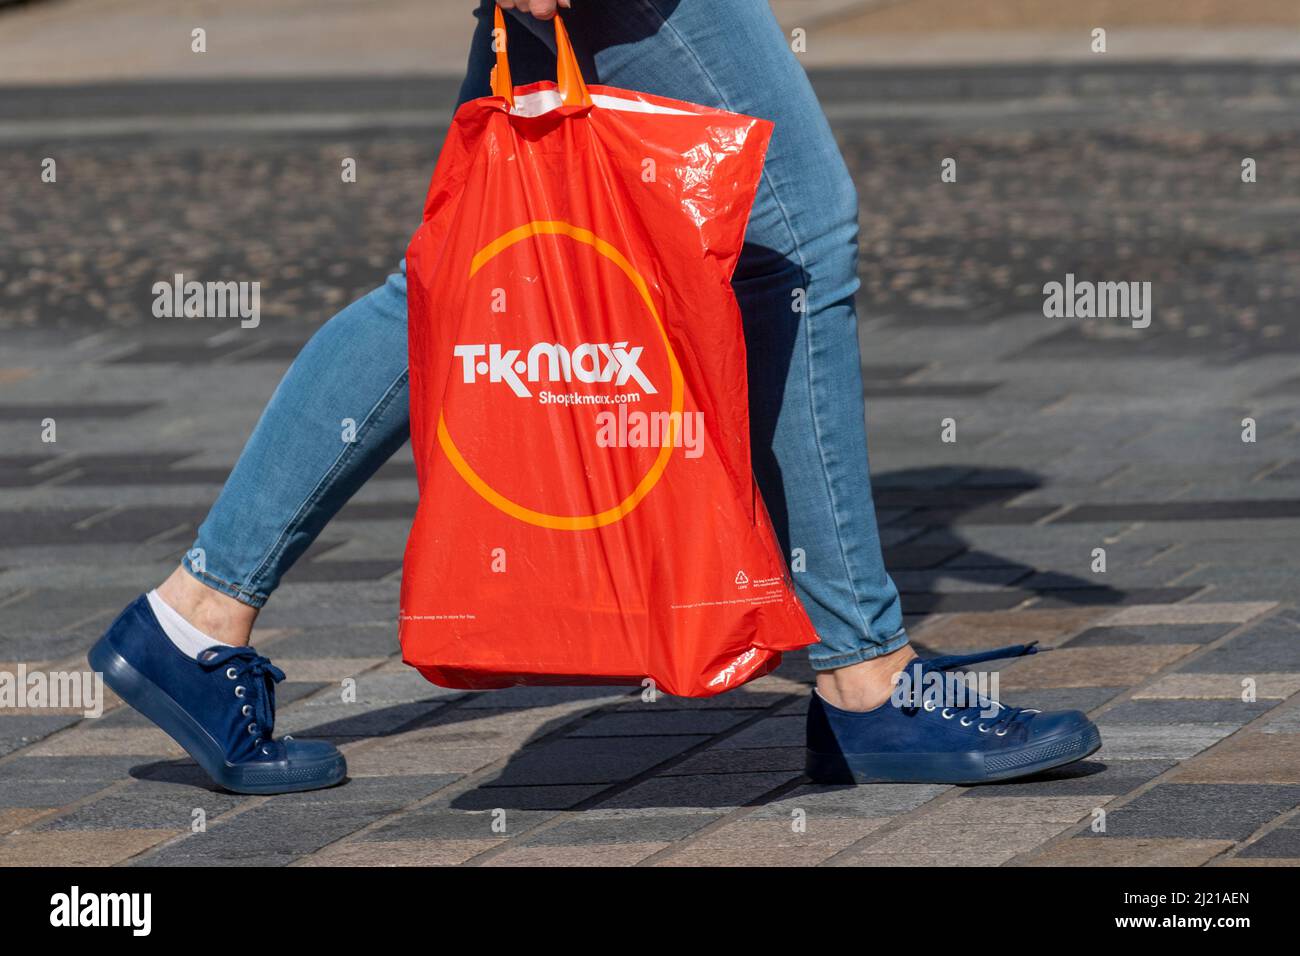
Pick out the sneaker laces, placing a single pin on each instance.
(256, 678)
(999, 724)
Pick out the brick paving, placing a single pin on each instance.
(1071, 436)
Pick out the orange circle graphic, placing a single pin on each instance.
(539, 227)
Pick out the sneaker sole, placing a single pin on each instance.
(954, 768)
(151, 700)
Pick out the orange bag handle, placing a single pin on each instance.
(568, 76)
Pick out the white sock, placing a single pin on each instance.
(189, 640)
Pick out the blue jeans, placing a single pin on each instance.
(805, 387)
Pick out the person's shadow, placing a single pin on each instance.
(924, 511)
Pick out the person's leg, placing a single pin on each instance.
(180, 654)
(795, 281)
(809, 443)
(339, 413)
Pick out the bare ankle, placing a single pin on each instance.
(217, 615)
(865, 685)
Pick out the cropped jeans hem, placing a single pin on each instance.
(241, 594)
(865, 653)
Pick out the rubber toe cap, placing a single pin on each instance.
(310, 751)
(1057, 723)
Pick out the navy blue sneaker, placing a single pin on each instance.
(220, 708)
(917, 740)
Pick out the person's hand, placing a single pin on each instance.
(541, 9)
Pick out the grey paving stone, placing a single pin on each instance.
(95, 409)
(948, 580)
(46, 793)
(1287, 722)
(653, 723)
(1259, 585)
(983, 515)
(1128, 741)
(715, 760)
(1119, 596)
(139, 467)
(1091, 776)
(1218, 485)
(172, 779)
(339, 721)
(769, 732)
(268, 835)
(966, 601)
(935, 477)
(176, 353)
(576, 760)
(584, 828)
(107, 527)
(989, 548)
(373, 640)
(896, 536)
(47, 612)
(1119, 577)
(444, 823)
(1282, 843)
(307, 605)
(700, 790)
(545, 696)
(406, 686)
(556, 797)
(68, 769)
(918, 390)
(950, 497)
(82, 476)
(1150, 634)
(289, 692)
(746, 697)
(393, 791)
(883, 372)
(1271, 646)
(378, 511)
(123, 716)
(1291, 470)
(1184, 511)
(906, 557)
(794, 666)
(316, 571)
(1203, 811)
(877, 800)
(18, 731)
(70, 642)
(1011, 480)
(136, 809)
(1062, 698)
(1251, 555)
(1233, 713)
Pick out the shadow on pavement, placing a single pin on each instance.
(564, 765)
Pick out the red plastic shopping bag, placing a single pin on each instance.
(579, 416)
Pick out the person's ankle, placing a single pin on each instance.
(866, 685)
(217, 615)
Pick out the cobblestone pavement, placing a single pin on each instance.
(1070, 436)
